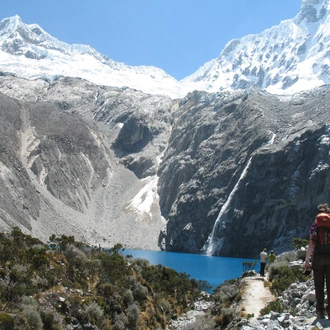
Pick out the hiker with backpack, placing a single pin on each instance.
(319, 250)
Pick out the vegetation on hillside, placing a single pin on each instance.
(67, 284)
(70, 283)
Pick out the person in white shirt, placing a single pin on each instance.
(263, 260)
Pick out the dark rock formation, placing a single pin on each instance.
(260, 163)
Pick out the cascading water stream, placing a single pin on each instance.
(213, 242)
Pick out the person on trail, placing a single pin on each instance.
(319, 251)
(263, 260)
(271, 257)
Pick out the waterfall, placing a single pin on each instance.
(212, 242)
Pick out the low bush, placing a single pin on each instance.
(93, 312)
(282, 276)
(33, 317)
(50, 320)
(225, 317)
(6, 321)
(227, 292)
(121, 321)
(140, 292)
(133, 315)
(204, 285)
(128, 297)
(273, 306)
(298, 243)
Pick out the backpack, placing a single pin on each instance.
(322, 236)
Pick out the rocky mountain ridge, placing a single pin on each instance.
(198, 175)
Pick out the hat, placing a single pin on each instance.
(265, 249)
(271, 251)
(323, 207)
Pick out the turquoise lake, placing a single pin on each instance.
(214, 270)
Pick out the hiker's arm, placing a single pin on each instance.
(309, 253)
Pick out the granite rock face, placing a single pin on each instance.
(244, 171)
(218, 173)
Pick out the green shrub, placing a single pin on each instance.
(298, 243)
(128, 297)
(273, 306)
(133, 312)
(204, 285)
(283, 280)
(121, 321)
(30, 310)
(282, 276)
(226, 292)
(21, 322)
(112, 268)
(33, 317)
(61, 242)
(29, 301)
(225, 317)
(37, 257)
(119, 325)
(110, 280)
(17, 283)
(140, 292)
(50, 321)
(164, 306)
(107, 289)
(6, 321)
(93, 312)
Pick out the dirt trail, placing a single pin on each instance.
(255, 296)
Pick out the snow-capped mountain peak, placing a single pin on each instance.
(284, 59)
(30, 52)
(18, 38)
(290, 57)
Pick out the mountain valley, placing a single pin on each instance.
(231, 159)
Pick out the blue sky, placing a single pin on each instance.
(177, 36)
